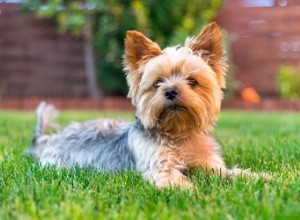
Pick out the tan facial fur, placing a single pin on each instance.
(195, 71)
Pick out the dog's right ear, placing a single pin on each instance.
(138, 50)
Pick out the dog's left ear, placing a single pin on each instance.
(209, 44)
(138, 50)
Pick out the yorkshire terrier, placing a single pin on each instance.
(177, 92)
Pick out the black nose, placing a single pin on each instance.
(171, 94)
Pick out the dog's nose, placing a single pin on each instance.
(171, 94)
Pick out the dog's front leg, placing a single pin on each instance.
(170, 172)
(215, 164)
(203, 151)
(163, 168)
(171, 178)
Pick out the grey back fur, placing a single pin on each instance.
(102, 144)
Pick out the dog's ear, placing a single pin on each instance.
(138, 50)
(209, 44)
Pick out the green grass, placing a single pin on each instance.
(268, 142)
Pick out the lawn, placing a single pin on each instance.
(268, 142)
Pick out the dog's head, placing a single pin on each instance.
(176, 90)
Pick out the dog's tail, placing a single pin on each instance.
(45, 120)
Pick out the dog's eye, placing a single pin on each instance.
(192, 82)
(157, 83)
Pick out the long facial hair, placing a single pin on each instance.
(188, 114)
(195, 109)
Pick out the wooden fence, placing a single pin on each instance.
(37, 60)
(264, 38)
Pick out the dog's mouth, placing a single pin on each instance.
(176, 108)
(177, 120)
(170, 110)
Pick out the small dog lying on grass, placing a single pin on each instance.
(177, 94)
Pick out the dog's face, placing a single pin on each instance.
(176, 90)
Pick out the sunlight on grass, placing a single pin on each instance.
(266, 142)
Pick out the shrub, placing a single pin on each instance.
(168, 21)
(289, 82)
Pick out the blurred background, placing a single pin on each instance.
(70, 52)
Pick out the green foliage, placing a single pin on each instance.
(171, 21)
(71, 15)
(110, 27)
(166, 22)
(263, 141)
(289, 82)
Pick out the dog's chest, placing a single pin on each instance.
(196, 150)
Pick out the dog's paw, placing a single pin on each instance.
(248, 174)
(267, 177)
(183, 184)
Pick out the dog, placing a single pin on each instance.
(177, 92)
